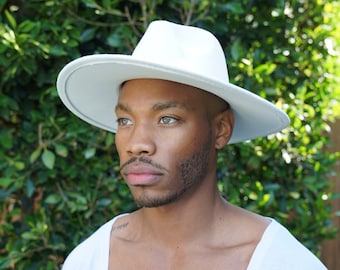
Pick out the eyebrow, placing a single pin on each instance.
(156, 107)
(122, 107)
(167, 105)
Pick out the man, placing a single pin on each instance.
(174, 109)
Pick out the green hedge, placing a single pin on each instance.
(59, 177)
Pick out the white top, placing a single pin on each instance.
(277, 250)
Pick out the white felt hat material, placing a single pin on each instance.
(89, 86)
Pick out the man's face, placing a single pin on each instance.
(164, 140)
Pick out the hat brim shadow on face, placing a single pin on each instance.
(89, 87)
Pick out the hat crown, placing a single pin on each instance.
(191, 49)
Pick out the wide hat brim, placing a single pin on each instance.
(89, 87)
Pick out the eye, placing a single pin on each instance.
(124, 122)
(167, 120)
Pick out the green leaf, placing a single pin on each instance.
(2, 5)
(27, 26)
(19, 165)
(30, 188)
(6, 138)
(237, 51)
(57, 50)
(266, 68)
(53, 199)
(48, 159)
(87, 35)
(109, 140)
(104, 202)
(107, 4)
(2, 49)
(61, 150)
(89, 153)
(30, 235)
(10, 19)
(295, 195)
(234, 7)
(265, 199)
(5, 181)
(35, 155)
(90, 3)
(114, 40)
(5, 263)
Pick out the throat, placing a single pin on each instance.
(174, 224)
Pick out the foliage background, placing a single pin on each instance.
(59, 178)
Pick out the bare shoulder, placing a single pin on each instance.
(246, 226)
(120, 224)
(122, 228)
(124, 243)
(246, 216)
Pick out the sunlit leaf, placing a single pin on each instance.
(10, 19)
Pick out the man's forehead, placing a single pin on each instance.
(169, 89)
(155, 89)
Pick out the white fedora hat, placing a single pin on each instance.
(89, 86)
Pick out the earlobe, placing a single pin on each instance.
(224, 128)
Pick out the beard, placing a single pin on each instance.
(190, 174)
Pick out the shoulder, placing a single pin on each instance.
(93, 252)
(279, 249)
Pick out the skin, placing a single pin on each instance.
(168, 138)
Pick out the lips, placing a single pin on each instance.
(141, 174)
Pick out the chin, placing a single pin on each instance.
(145, 201)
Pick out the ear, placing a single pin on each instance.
(224, 124)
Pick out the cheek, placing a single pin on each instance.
(179, 146)
(119, 142)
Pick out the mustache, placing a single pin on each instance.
(145, 160)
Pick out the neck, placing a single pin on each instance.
(183, 221)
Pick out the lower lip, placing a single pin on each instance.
(142, 179)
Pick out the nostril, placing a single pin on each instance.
(145, 147)
(139, 139)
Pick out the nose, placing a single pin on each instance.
(141, 142)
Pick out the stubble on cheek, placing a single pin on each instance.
(194, 169)
(190, 173)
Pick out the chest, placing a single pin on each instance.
(143, 256)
